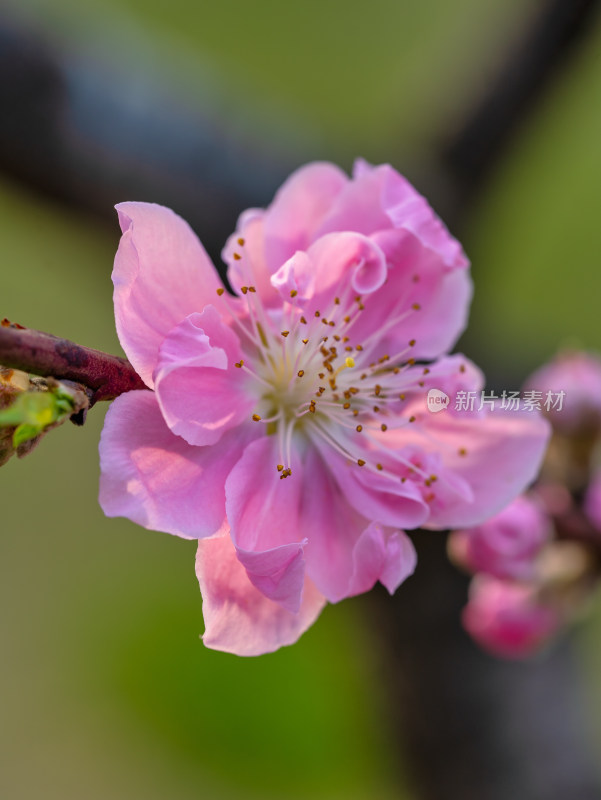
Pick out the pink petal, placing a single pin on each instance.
(498, 454)
(298, 210)
(199, 389)
(377, 557)
(156, 479)
(161, 274)
(263, 512)
(345, 554)
(422, 299)
(238, 617)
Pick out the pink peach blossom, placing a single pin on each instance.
(286, 427)
(505, 545)
(578, 376)
(508, 619)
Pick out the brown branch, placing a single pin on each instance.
(104, 375)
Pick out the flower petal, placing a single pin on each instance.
(238, 617)
(498, 454)
(298, 210)
(199, 389)
(156, 479)
(263, 513)
(345, 554)
(161, 274)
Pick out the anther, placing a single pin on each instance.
(379, 466)
(252, 288)
(384, 427)
(317, 314)
(412, 343)
(285, 333)
(237, 256)
(300, 373)
(304, 341)
(239, 364)
(241, 242)
(256, 418)
(361, 462)
(280, 467)
(377, 389)
(359, 428)
(303, 320)
(293, 293)
(244, 289)
(416, 306)
(346, 405)
(220, 291)
(412, 419)
(462, 451)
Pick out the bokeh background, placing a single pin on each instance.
(105, 687)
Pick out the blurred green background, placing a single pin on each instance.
(105, 688)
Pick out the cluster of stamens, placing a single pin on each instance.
(314, 378)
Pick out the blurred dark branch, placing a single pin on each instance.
(530, 67)
(93, 135)
(474, 727)
(104, 376)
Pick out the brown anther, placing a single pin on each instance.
(384, 427)
(304, 341)
(337, 301)
(220, 291)
(412, 343)
(285, 333)
(358, 298)
(376, 409)
(252, 289)
(355, 412)
(359, 347)
(241, 242)
(377, 389)
(331, 323)
(300, 373)
(353, 390)
(346, 405)
(244, 289)
(321, 375)
(324, 320)
(363, 377)
(239, 364)
(361, 462)
(359, 428)
(433, 478)
(421, 383)
(256, 418)
(396, 371)
(401, 397)
(416, 306)
(411, 361)
(462, 451)
(360, 306)
(348, 348)
(280, 467)
(379, 466)
(347, 318)
(336, 337)
(237, 256)
(412, 419)
(328, 366)
(345, 338)
(293, 292)
(426, 371)
(462, 368)
(317, 314)
(303, 320)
